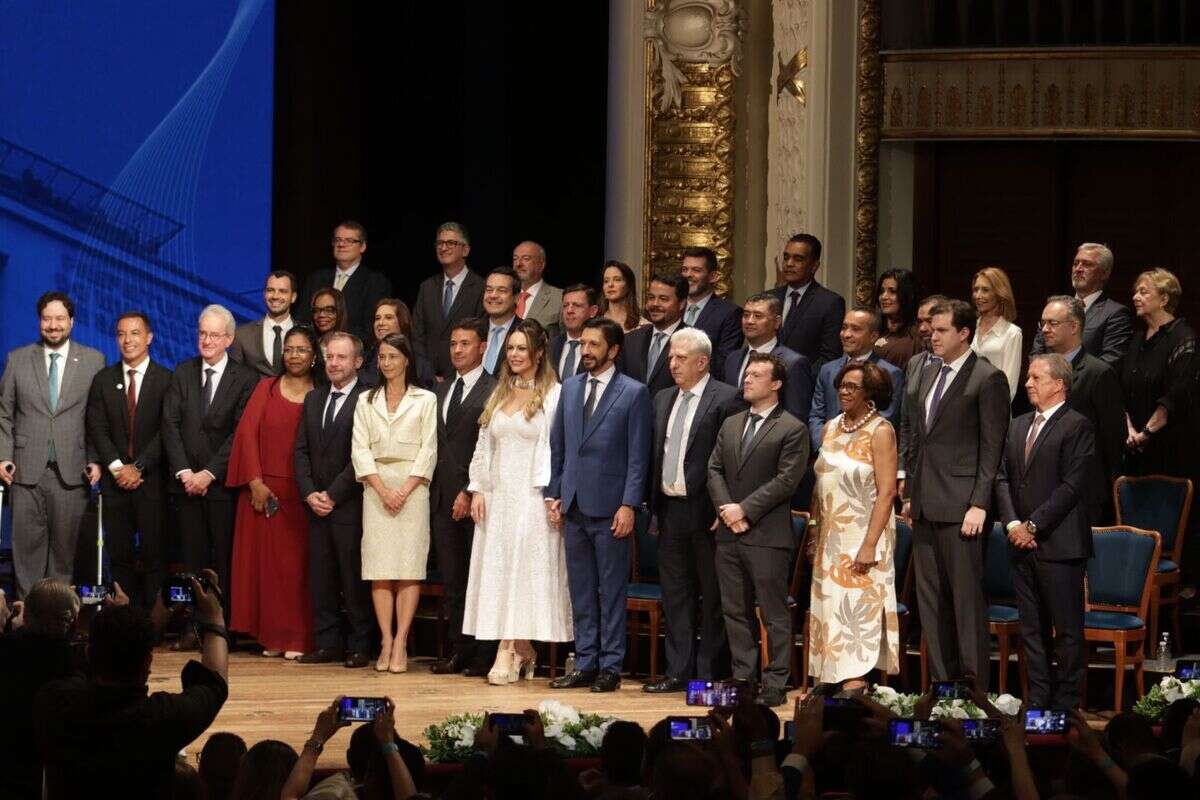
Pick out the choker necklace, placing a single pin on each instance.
(517, 383)
(852, 428)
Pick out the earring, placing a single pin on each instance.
(870, 406)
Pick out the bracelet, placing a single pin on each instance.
(216, 630)
(314, 744)
(389, 747)
(762, 747)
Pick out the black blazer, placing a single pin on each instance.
(456, 440)
(722, 321)
(556, 348)
(196, 442)
(431, 328)
(1107, 329)
(322, 456)
(797, 390)
(814, 328)
(108, 425)
(1096, 393)
(718, 402)
(247, 348)
(365, 288)
(635, 356)
(1052, 489)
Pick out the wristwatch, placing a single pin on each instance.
(1032, 526)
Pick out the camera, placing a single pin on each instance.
(361, 709)
(1187, 669)
(981, 731)
(951, 690)
(1044, 720)
(718, 694)
(178, 589)
(509, 724)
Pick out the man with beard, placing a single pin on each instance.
(43, 401)
(259, 344)
(647, 349)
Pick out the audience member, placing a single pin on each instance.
(705, 310)
(896, 304)
(220, 760)
(264, 771)
(536, 300)
(360, 286)
(618, 296)
(996, 337)
(644, 354)
(454, 294)
(812, 313)
(761, 318)
(579, 305)
(259, 343)
(1108, 325)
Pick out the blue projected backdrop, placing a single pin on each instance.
(135, 163)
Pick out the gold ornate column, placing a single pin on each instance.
(692, 53)
(868, 116)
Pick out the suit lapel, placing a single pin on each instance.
(702, 406)
(1047, 426)
(611, 392)
(37, 360)
(763, 429)
(224, 386)
(959, 383)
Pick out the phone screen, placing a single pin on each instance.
(689, 728)
(1187, 669)
(90, 594)
(923, 734)
(718, 694)
(1043, 720)
(509, 724)
(361, 709)
(950, 690)
(179, 593)
(981, 730)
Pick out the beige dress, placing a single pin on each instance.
(395, 446)
(853, 626)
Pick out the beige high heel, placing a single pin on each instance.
(502, 672)
(385, 655)
(526, 663)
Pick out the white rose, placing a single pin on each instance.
(958, 712)
(567, 742)
(554, 731)
(1173, 693)
(939, 711)
(885, 695)
(593, 736)
(1007, 704)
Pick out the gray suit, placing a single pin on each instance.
(762, 480)
(247, 349)
(1107, 329)
(952, 463)
(49, 499)
(546, 308)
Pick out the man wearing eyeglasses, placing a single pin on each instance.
(454, 294)
(361, 287)
(1108, 325)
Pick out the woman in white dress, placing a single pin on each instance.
(394, 450)
(996, 337)
(517, 588)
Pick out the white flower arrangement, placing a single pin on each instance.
(1168, 690)
(904, 705)
(571, 733)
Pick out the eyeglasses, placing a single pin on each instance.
(206, 336)
(448, 243)
(1050, 323)
(326, 311)
(297, 351)
(338, 240)
(849, 387)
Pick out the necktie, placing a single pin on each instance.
(1033, 432)
(455, 399)
(937, 393)
(206, 395)
(331, 409)
(748, 436)
(277, 349)
(692, 312)
(130, 408)
(339, 279)
(794, 296)
(491, 355)
(521, 301)
(447, 299)
(675, 440)
(590, 405)
(54, 357)
(569, 364)
(655, 351)
(742, 371)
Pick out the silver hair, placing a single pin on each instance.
(695, 340)
(1106, 255)
(51, 608)
(222, 313)
(1073, 305)
(541, 251)
(457, 227)
(1060, 369)
(336, 336)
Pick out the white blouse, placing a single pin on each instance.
(1001, 346)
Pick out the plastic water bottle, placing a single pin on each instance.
(1163, 656)
(569, 664)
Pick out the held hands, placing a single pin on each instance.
(259, 495)
(461, 508)
(973, 522)
(320, 503)
(1021, 538)
(393, 500)
(385, 723)
(554, 512)
(478, 507)
(622, 524)
(808, 716)
(195, 483)
(328, 723)
(93, 473)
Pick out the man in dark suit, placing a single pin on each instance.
(645, 354)
(500, 304)
(454, 294)
(361, 286)
(460, 402)
(860, 329)
(124, 422)
(912, 384)
(325, 479)
(756, 465)
(259, 343)
(1042, 499)
(714, 315)
(954, 457)
(687, 418)
(1095, 393)
(201, 411)
(1108, 325)
(761, 319)
(578, 306)
(812, 314)
(599, 462)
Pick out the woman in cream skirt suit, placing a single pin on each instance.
(394, 452)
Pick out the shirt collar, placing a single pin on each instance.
(701, 303)
(219, 367)
(999, 328)
(674, 326)
(700, 386)
(1070, 357)
(286, 323)
(471, 377)
(63, 349)
(606, 376)
(493, 325)
(957, 363)
(140, 368)
(767, 347)
(349, 270)
(347, 389)
(1090, 298)
(1051, 411)
(766, 412)
(457, 279)
(534, 289)
(801, 289)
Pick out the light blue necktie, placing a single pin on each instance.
(447, 299)
(693, 311)
(675, 440)
(655, 351)
(54, 357)
(493, 348)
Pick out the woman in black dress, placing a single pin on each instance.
(1158, 375)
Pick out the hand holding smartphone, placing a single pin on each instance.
(1045, 721)
(689, 729)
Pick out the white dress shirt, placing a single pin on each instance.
(604, 379)
(766, 347)
(63, 350)
(456, 282)
(787, 297)
(215, 382)
(679, 488)
(1046, 415)
(955, 366)
(532, 291)
(469, 380)
(1001, 346)
(342, 276)
(566, 351)
(1089, 299)
(140, 376)
(346, 392)
(666, 345)
(269, 336)
(766, 412)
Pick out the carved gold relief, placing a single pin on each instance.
(953, 108)
(1016, 107)
(1053, 107)
(868, 119)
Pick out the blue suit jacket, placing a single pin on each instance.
(826, 406)
(797, 391)
(605, 465)
(722, 321)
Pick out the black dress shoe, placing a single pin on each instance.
(449, 666)
(477, 670)
(665, 686)
(574, 680)
(771, 697)
(356, 661)
(607, 681)
(324, 655)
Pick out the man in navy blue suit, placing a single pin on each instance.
(860, 329)
(716, 316)
(760, 323)
(599, 464)
(812, 314)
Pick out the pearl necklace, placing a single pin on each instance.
(517, 383)
(852, 428)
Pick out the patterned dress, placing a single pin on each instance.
(852, 618)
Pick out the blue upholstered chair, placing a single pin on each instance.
(1158, 503)
(1120, 580)
(644, 595)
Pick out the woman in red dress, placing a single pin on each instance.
(271, 599)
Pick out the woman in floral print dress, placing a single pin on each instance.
(852, 621)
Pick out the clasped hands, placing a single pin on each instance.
(1021, 538)
(734, 517)
(196, 483)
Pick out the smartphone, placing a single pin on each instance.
(91, 594)
(842, 714)
(1187, 669)
(923, 734)
(951, 690)
(1044, 720)
(686, 729)
(509, 724)
(178, 589)
(717, 694)
(981, 731)
(361, 709)
(272, 506)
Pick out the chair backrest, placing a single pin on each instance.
(800, 566)
(1120, 571)
(645, 550)
(901, 558)
(997, 568)
(1156, 503)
